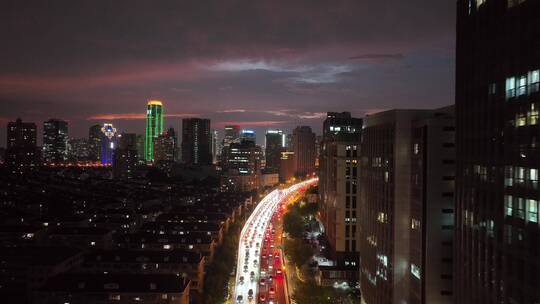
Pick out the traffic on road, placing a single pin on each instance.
(259, 272)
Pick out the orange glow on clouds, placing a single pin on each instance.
(262, 123)
(133, 116)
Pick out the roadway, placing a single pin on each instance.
(257, 248)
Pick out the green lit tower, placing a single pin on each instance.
(154, 127)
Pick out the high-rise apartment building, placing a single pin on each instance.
(303, 143)
(275, 144)
(432, 208)
(196, 141)
(405, 206)
(286, 166)
(125, 156)
(108, 143)
(55, 141)
(154, 127)
(94, 143)
(498, 156)
(78, 149)
(21, 151)
(242, 168)
(339, 176)
(165, 146)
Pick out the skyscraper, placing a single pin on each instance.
(154, 127)
(286, 166)
(196, 141)
(275, 144)
(248, 134)
(498, 157)
(232, 133)
(125, 156)
(108, 143)
(165, 146)
(94, 143)
(78, 149)
(303, 143)
(216, 150)
(21, 152)
(405, 213)
(242, 169)
(55, 141)
(339, 177)
(140, 147)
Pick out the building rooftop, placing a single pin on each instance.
(146, 256)
(36, 256)
(162, 283)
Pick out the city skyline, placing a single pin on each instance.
(276, 72)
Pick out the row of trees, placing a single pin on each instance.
(218, 272)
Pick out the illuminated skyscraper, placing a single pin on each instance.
(55, 140)
(215, 147)
(108, 143)
(154, 127)
(232, 133)
(249, 135)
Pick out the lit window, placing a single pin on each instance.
(521, 120)
(415, 224)
(532, 115)
(415, 271)
(522, 85)
(381, 217)
(534, 81)
(510, 87)
(509, 205)
(532, 210)
(416, 149)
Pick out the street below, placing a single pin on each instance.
(259, 272)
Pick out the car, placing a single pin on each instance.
(241, 280)
(272, 291)
(262, 298)
(250, 294)
(262, 282)
(239, 299)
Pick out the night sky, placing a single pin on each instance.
(259, 64)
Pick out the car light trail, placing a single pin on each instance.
(251, 240)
